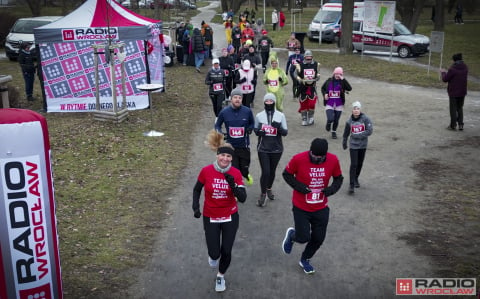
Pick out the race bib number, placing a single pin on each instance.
(273, 83)
(237, 35)
(269, 130)
(237, 66)
(357, 129)
(236, 132)
(334, 94)
(217, 87)
(264, 43)
(220, 219)
(316, 196)
(291, 45)
(294, 61)
(308, 74)
(226, 72)
(247, 87)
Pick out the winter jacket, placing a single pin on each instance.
(345, 86)
(457, 79)
(358, 129)
(271, 141)
(198, 43)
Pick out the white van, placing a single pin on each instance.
(22, 31)
(329, 18)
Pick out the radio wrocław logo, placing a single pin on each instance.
(435, 286)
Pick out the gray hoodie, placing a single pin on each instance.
(358, 129)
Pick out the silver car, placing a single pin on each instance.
(405, 43)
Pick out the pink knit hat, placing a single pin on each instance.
(338, 70)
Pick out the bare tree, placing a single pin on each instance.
(346, 46)
(438, 15)
(35, 7)
(410, 11)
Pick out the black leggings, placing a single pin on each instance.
(241, 160)
(268, 164)
(310, 227)
(333, 116)
(456, 111)
(295, 89)
(220, 238)
(217, 100)
(356, 162)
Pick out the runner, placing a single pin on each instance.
(223, 187)
(270, 127)
(239, 121)
(309, 173)
(307, 74)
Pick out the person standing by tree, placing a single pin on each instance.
(456, 76)
(274, 19)
(25, 59)
(282, 19)
(309, 173)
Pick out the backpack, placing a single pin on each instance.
(208, 34)
(186, 37)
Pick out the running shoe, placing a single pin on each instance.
(270, 194)
(213, 263)
(287, 243)
(262, 200)
(307, 268)
(220, 284)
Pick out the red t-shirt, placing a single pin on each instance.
(315, 176)
(219, 198)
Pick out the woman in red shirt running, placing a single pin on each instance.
(223, 187)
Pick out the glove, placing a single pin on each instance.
(230, 180)
(276, 124)
(243, 80)
(328, 191)
(344, 144)
(280, 79)
(197, 214)
(303, 189)
(249, 131)
(254, 82)
(260, 133)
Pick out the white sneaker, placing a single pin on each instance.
(304, 122)
(220, 284)
(212, 263)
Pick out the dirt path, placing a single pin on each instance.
(363, 252)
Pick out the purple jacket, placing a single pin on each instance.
(457, 79)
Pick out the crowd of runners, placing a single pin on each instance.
(314, 175)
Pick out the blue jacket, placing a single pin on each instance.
(238, 125)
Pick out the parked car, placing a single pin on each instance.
(405, 43)
(141, 3)
(328, 19)
(22, 31)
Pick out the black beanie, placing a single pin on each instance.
(457, 57)
(319, 147)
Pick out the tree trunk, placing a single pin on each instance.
(224, 4)
(346, 46)
(35, 8)
(439, 16)
(409, 11)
